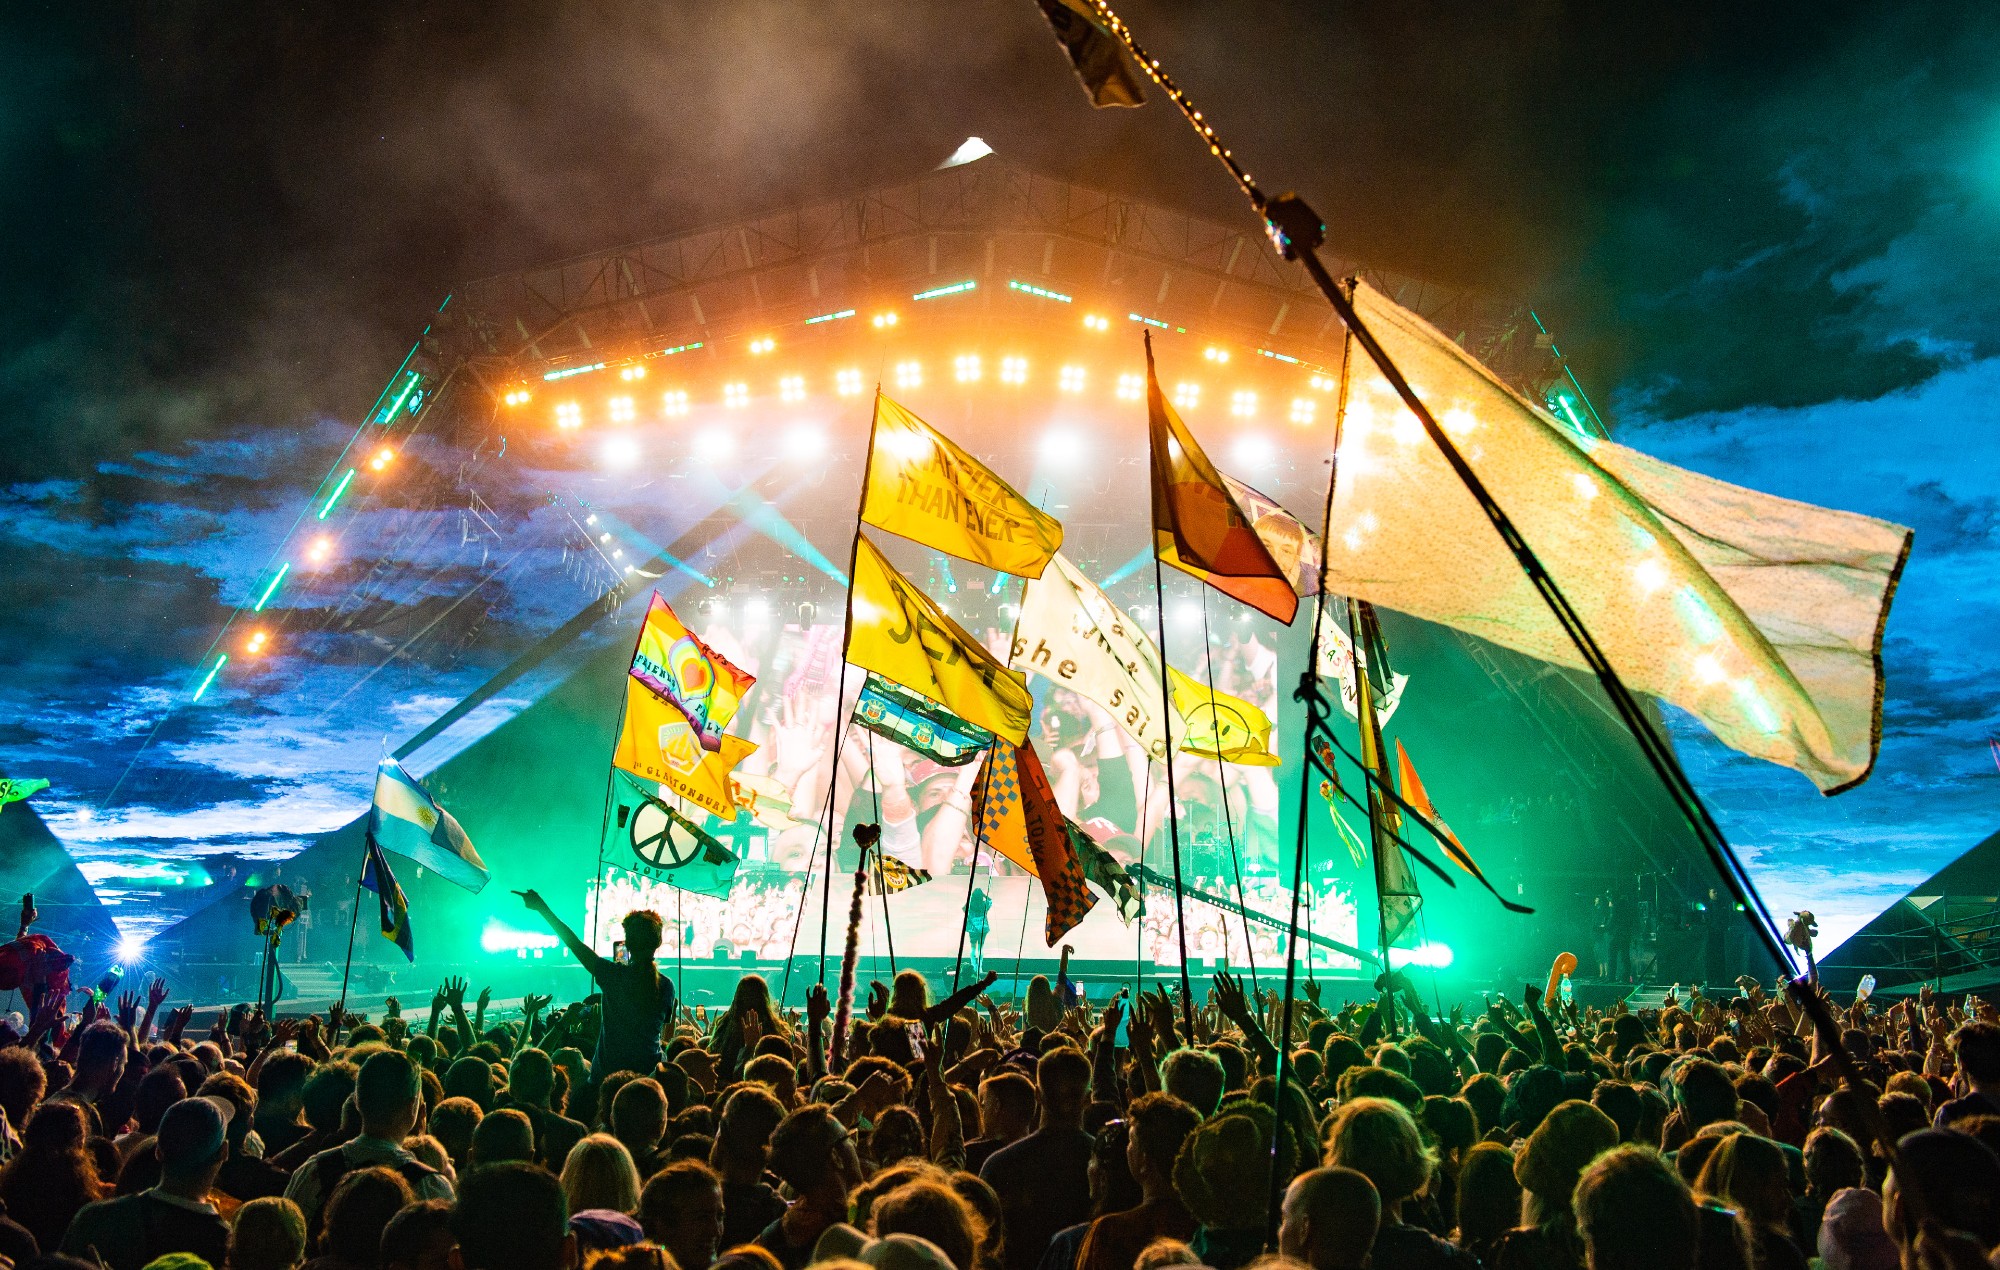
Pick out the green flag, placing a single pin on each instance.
(647, 837)
(1101, 867)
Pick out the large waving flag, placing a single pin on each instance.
(1760, 616)
(923, 487)
(646, 836)
(657, 743)
(1198, 525)
(1070, 633)
(406, 821)
(902, 636)
(1220, 726)
(689, 675)
(917, 723)
(1098, 56)
(376, 877)
(1019, 818)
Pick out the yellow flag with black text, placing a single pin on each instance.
(901, 635)
(923, 487)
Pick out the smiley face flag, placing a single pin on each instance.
(1217, 725)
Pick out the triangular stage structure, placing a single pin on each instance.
(1944, 933)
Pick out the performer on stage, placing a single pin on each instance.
(977, 927)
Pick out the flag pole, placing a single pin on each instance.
(1222, 787)
(1359, 625)
(1298, 232)
(840, 685)
(353, 924)
(1173, 803)
(1310, 694)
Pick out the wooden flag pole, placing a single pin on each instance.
(1298, 232)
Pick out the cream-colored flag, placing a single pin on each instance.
(1760, 616)
(1071, 634)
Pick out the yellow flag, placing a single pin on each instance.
(1218, 725)
(658, 744)
(924, 488)
(902, 636)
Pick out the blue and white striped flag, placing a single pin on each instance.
(407, 821)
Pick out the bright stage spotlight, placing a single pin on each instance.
(1303, 410)
(130, 948)
(1322, 383)
(1062, 446)
(1186, 613)
(965, 368)
(1254, 449)
(569, 415)
(1430, 955)
(736, 396)
(256, 643)
(383, 458)
(909, 374)
(714, 445)
(620, 409)
(792, 388)
(847, 382)
(320, 548)
(1215, 354)
(675, 403)
(621, 450)
(761, 346)
(519, 397)
(1013, 370)
(1131, 387)
(1243, 403)
(1071, 379)
(1187, 395)
(631, 373)
(804, 442)
(1095, 322)
(885, 319)
(756, 609)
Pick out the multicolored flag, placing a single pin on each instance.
(1411, 789)
(765, 798)
(1220, 726)
(1070, 633)
(917, 723)
(901, 635)
(14, 790)
(1098, 55)
(657, 743)
(1336, 658)
(688, 675)
(1019, 819)
(376, 877)
(653, 840)
(406, 821)
(1198, 526)
(923, 487)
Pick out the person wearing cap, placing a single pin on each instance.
(389, 1096)
(175, 1216)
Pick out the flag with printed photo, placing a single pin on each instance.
(657, 743)
(903, 636)
(687, 674)
(1198, 525)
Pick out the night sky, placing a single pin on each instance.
(1766, 240)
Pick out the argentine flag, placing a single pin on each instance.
(407, 821)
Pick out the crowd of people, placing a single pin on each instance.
(629, 1132)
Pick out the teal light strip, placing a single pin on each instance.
(1279, 357)
(1149, 321)
(1038, 291)
(829, 317)
(937, 292)
(568, 371)
(678, 348)
(338, 490)
(271, 588)
(220, 661)
(408, 388)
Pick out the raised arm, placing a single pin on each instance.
(957, 1001)
(584, 954)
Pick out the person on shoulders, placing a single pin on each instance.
(638, 999)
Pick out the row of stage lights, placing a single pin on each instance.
(966, 368)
